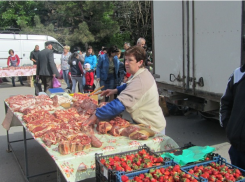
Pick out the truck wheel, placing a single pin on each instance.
(9, 79)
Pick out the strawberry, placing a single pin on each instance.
(176, 168)
(191, 171)
(116, 158)
(124, 178)
(159, 160)
(188, 176)
(186, 180)
(142, 176)
(102, 161)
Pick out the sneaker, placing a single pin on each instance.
(22, 84)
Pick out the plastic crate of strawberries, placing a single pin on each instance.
(170, 172)
(130, 161)
(217, 170)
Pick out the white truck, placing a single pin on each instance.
(23, 44)
(196, 47)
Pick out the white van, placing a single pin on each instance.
(23, 44)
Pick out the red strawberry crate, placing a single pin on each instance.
(215, 170)
(104, 173)
(170, 171)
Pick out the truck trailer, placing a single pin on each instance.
(196, 47)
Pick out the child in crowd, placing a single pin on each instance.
(126, 76)
(89, 75)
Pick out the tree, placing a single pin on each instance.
(135, 17)
(14, 12)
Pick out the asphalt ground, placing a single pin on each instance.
(183, 129)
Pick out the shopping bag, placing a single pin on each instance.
(37, 86)
(56, 83)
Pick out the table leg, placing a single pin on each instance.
(58, 175)
(25, 153)
(8, 150)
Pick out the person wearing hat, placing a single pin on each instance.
(107, 69)
(46, 67)
(89, 75)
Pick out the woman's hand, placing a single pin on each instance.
(90, 121)
(108, 92)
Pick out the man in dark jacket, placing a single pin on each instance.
(232, 116)
(46, 68)
(34, 55)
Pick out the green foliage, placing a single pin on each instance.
(96, 23)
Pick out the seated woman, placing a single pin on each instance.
(138, 96)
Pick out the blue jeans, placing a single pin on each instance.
(66, 77)
(74, 80)
(109, 83)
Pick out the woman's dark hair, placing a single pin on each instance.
(112, 49)
(11, 50)
(138, 52)
(89, 47)
(74, 55)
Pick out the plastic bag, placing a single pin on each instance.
(56, 83)
(192, 154)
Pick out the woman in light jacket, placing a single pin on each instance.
(64, 64)
(107, 69)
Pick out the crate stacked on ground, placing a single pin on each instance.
(216, 170)
(130, 161)
(170, 171)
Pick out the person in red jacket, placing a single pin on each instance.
(89, 75)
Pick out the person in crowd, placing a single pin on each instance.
(90, 58)
(232, 117)
(142, 43)
(46, 67)
(139, 96)
(34, 55)
(126, 77)
(14, 61)
(76, 72)
(89, 75)
(126, 45)
(80, 53)
(64, 64)
(101, 51)
(104, 50)
(107, 69)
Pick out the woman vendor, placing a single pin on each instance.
(139, 96)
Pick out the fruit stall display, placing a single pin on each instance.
(216, 170)
(107, 166)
